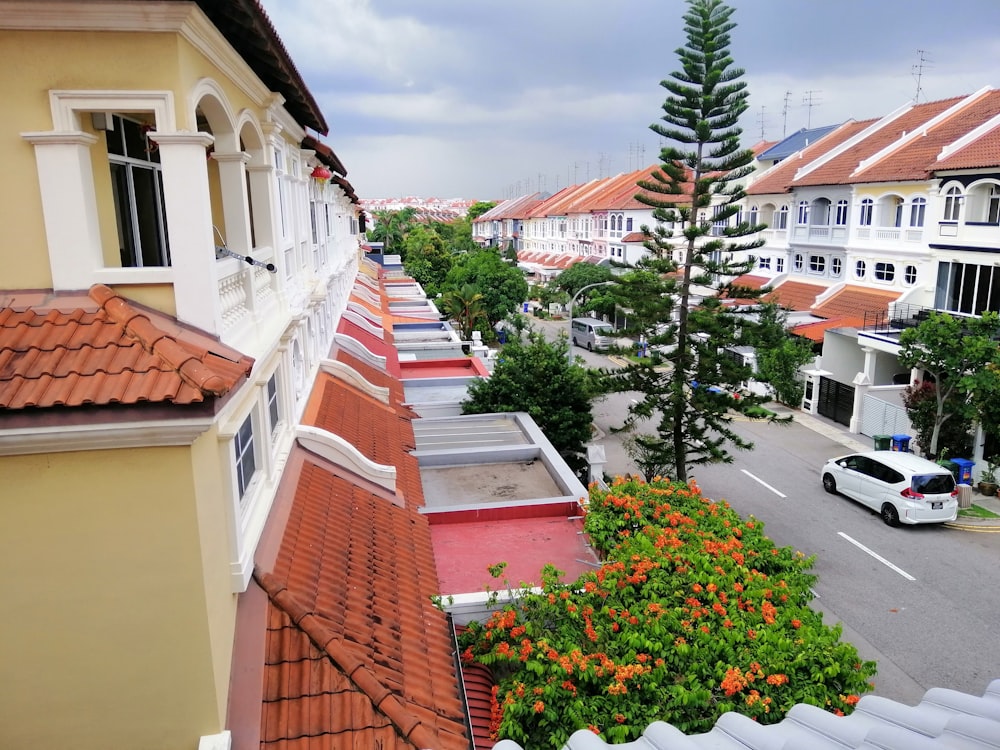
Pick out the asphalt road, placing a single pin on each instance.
(923, 602)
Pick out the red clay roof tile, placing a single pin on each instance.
(70, 350)
(854, 301)
(795, 295)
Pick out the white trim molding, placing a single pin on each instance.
(336, 450)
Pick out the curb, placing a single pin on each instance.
(988, 528)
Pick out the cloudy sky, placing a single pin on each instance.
(490, 100)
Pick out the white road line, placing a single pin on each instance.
(758, 479)
(877, 556)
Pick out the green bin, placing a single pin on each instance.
(882, 442)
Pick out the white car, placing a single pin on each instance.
(902, 487)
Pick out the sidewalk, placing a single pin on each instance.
(854, 442)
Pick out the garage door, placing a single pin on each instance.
(836, 401)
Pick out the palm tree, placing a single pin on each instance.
(465, 307)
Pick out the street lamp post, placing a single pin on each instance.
(569, 341)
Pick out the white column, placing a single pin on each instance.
(69, 206)
(235, 206)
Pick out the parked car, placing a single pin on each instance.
(592, 333)
(902, 487)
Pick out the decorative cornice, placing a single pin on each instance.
(351, 376)
(64, 438)
(338, 451)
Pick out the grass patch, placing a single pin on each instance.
(977, 511)
(759, 412)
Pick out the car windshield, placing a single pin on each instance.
(603, 330)
(933, 484)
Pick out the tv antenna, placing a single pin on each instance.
(918, 74)
(760, 121)
(809, 100)
(784, 115)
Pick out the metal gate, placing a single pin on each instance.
(879, 417)
(836, 401)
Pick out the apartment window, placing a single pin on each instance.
(764, 263)
(993, 206)
(781, 218)
(779, 265)
(952, 203)
(821, 212)
(885, 271)
(860, 269)
(273, 413)
(797, 261)
(867, 209)
(246, 459)
(968, 288)
(836, 266)
(840, 218)
(754, 212)
(628, 224)
(896, 207)
(803, 215)
(917, 210)
(910, 275)
(817, 264)
(137, 191)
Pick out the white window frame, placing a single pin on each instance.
(860, 269)
(884, 272)
(918, 210)
(840, 218)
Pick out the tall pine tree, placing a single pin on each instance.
(679, 294)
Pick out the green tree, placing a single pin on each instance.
(780, 354)
(503, 286)
(478, 208)
(465, 307)
(679, 304)
(534, 376)
(952, 350)
(391, 227)
(955, 435)
(426, 258)
(579, 275)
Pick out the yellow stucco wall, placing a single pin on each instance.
(111, 618)
(35, 63)
(879, 190)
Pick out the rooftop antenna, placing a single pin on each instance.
(760, 121)
(784, 115)
(809, 100)
(918, 74)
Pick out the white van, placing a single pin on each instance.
(592, 333)
(903, 488)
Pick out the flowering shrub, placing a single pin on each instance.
(693, 613)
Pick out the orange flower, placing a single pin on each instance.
(620, 718)
(777, 679)
(796, 624)
(539, 707)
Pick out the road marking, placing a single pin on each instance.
(877, 556)
(761, 481)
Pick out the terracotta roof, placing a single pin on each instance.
(100, 350)
(382, 433)
(478, 683)
(917, 159)
(356, 653)
(373, 375)
(854, 301)
(795, 295)
(634, 237)
(778, 179)
(814, 331)
(982, 152)
(839, 170)
(751, 281)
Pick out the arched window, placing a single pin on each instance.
(841, 218)
(952, 203)
(803, 215)
(860, 269)
(821, 212)
(781, 217)
(867, 209)
(836, 266)
(797, 261)
(754, 212)
(910, 275)
(917, 210)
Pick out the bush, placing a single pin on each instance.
(693, 613)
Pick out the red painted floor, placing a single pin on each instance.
(463, 551)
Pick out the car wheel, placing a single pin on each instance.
(590, 346)
(830, 484)
(890, 515)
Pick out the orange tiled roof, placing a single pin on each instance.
(795, 295)
(839, 169)
(356, 654)
(778, 179)
(102, 350)
(854, 301)
(814, 331)
(982, 152)
(916, 159)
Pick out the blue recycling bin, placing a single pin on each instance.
(964, 470)
(900, 443)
